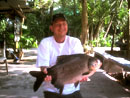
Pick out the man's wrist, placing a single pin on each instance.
(43, 67)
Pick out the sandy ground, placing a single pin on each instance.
(18, 84)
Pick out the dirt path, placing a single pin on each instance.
(18, 84)
(103, 86)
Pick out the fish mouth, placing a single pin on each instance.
(96, 65)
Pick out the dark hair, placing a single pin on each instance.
(57, 16)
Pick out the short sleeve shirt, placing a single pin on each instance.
(49, 50)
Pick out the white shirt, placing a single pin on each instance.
(48, 51)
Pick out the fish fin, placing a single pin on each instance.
(59, 86)
(62, 59)
(39, 79)
(76, 83)
(35, 73)
(53, 81)
(37, 84)
(86, 73)
(61, 90)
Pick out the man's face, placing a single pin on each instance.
(59, 28)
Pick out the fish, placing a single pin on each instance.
(68, 69)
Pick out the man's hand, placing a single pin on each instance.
(48, 78)
(84, 78)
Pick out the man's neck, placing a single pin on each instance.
(59, 39)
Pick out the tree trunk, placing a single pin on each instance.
(51, 10)
(50, 16)
(91, 32)
(74, 9)
(108, 28)
(121, 3)
(113, 39)
(97, 29)
(128, 37)
(111, 21)
(85, 29)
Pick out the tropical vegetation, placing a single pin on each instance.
(101, 20)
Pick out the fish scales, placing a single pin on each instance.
(71, 69)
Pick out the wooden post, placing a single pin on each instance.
(4, 54)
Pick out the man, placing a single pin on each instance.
(50, 48)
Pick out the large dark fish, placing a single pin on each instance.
(68, 69)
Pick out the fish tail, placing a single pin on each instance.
(39, 79)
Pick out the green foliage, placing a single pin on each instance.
(3, 24)
(27, 40)
(99, 11)
(123, 16)
(38, 4)
(38, 25)
(101, 42)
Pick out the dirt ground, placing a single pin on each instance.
(18, 84)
